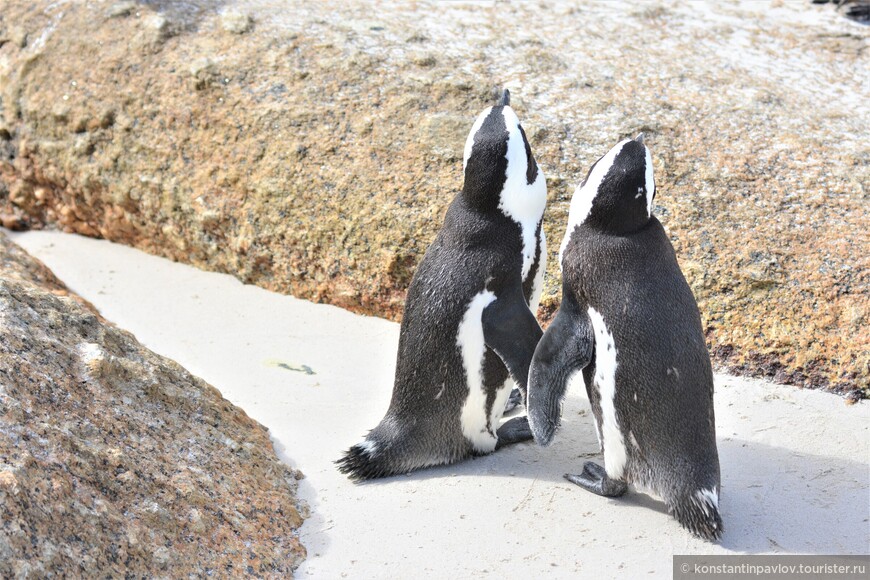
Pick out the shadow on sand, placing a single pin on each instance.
(773, 499)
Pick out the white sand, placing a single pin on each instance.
(795, 476)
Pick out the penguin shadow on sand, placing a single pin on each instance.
(773, 499)
(527, 460)
(575, 443)
(776, 499)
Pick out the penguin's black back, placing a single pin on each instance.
(474, 250)
(480, 257)
(635, 284)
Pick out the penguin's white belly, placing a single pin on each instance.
(477, 427)
(605, 382)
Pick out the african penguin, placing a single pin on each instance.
(629, 321)
(469, 329)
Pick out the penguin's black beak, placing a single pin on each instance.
(505, 99)
(639, 138)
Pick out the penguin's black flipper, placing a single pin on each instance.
(513, 332)
(566, 347)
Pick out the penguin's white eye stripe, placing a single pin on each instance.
(649, 181)
(581, 201)
(520, 200)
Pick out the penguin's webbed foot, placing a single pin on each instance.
(594, 478)
(515, 430)
(514, 400)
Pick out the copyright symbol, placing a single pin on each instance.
(684, 568)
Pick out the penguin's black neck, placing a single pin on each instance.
(622, 220)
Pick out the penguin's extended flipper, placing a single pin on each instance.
(513, 332)
(595, 479)
(515, 430)
(567, 346)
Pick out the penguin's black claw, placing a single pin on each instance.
(594, 478)
(515, 430)
(514, 400)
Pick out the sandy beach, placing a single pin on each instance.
(795, 475)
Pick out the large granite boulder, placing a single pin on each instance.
(313, 147)
(117, 461)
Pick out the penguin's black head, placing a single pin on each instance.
(618, 191)
(500, 170)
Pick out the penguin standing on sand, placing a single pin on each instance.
(629, 321)
(469, 330)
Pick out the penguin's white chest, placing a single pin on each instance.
(478, 426)
(524, 203)
(605, 382)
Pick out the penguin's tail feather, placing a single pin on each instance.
(698, 512)
(362, 462)
(381, 454)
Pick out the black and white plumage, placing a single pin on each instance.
(469, 330)
(629, 322)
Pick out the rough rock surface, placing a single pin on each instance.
(313, 147)
(116, 461)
